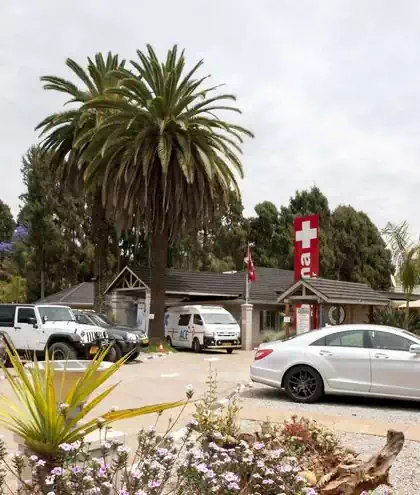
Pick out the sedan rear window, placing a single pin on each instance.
(354, 338)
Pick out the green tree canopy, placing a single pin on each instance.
(158, 150)
(7, 223)
(360, 252)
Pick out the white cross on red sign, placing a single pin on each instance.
(306, 247)
(306, 235)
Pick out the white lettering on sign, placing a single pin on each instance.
(305, 259)
(306, 235)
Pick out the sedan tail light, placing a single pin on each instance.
(262, 354)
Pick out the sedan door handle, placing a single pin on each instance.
(325, 353)
(380, 355)
(18, 328)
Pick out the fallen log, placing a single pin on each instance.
(353, 479)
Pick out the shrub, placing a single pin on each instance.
(217, 416)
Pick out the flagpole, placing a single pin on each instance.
(247, 278)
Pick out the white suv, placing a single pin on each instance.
(36, 328)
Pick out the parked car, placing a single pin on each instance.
(202, 327)
(38, 327)
(368, 360)
(126, 339)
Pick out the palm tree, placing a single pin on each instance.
(61, 131)
(161, 155)
(405, 256)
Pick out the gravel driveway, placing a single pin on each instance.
(405, 475)
(402, 412)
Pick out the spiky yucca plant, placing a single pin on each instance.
(38, 417)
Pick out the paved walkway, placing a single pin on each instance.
(162, 380)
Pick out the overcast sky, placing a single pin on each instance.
(330, 88)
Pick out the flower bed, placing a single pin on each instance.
(211, 455)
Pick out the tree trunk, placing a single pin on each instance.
(42, 275)
(100, 241)
(407, 311)
(355, 479)
(159, 268)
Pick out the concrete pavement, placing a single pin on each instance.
(164, 379)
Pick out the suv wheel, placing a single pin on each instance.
(61, 351)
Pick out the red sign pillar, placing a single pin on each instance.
(306, 261)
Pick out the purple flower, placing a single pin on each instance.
(234, 486)
(57, 471)
(20, 233)
(259, 446)
(154, 484)
(231, 477)
(76, 470)
(6, 247)
(202, 468)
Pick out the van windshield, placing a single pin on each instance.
(218, 318)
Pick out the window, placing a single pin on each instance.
(184, 320)
(83, 319)
(354, 338)
(389, 341)
(319, 342)
(219, 318)
(55, 313)
(198, 320)
(7, 316)
(271, 320)
(25, 315)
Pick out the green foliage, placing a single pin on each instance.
(360, 252)
(351, 247)
(58, 251)
(13, 290)
(273, 336)
(149, 145)
(213, 415)
(43, 419)
(7, 223)
(396, 318)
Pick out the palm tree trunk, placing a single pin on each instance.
(100, 240)
(159, 262)
(407, 312)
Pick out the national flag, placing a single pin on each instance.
(252, 275)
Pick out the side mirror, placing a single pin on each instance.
(32, 321)
(415, 349)
(44, 319)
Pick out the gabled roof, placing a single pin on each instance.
(335, 292)
(213, 284)
(80, 295)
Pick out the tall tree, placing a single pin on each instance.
(405, 253)
(161, 153)
(7, 223)
(360, 252)
(63, 128)
(57, 251)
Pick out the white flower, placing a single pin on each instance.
(189, 388)
(114, 408)
(63, 407)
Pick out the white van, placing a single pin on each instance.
(202, 327)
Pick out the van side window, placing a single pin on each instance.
(184, 320)
(7, 316)
(25, 315)
(198, 320)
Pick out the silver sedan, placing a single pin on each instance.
(368, 360)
